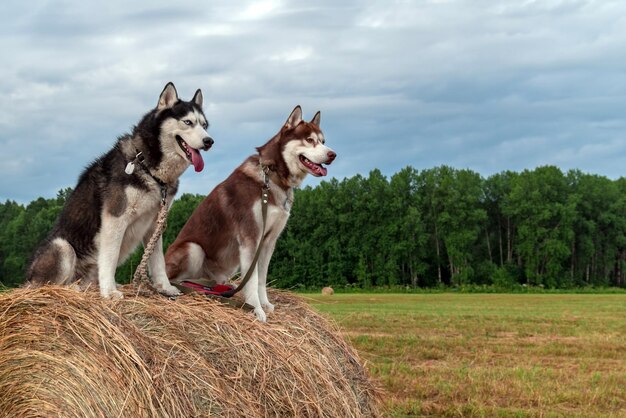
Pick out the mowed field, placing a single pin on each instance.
(489, 355)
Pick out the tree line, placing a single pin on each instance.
(436, 227)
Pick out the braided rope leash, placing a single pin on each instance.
(141, 273)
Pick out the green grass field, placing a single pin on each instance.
(490, 355)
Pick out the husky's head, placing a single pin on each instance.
(304, 147)
(183, 126)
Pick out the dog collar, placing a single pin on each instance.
(139, 158)
(266, 187)
(266, 177)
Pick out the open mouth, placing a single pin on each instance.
(317, 170)
(193, 155)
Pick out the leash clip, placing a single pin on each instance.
(266, 179)
(163, 193)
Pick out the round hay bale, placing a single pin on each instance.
(328, 291)
(73, 354)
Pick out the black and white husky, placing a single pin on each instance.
(116, 201)
(223, 233)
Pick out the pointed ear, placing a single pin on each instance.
(316, 119)
(295, 118)
(197, 98)
(168, 97)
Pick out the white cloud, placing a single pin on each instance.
(299, 53)
(257, 10)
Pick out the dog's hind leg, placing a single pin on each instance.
(184, 261)
(55, 263)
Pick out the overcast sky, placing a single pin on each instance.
(484, 85)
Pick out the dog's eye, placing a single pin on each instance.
(188, 122)
(309, 140)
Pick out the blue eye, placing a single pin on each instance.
(188, 122)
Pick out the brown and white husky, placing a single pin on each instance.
(223, 233)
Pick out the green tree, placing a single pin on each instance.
(453, 208)
(409, 238)
(438, 226)
(544, 212)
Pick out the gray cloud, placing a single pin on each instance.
(474, 84)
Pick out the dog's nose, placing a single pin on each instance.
(331, 157)
(208, 142)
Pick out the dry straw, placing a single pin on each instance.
(72, 354)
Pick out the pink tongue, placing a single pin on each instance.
(196, 160)
(320, 170)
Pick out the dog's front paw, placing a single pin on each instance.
(111, 294)
(268, 307)
(167, 289)
(260, 314)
